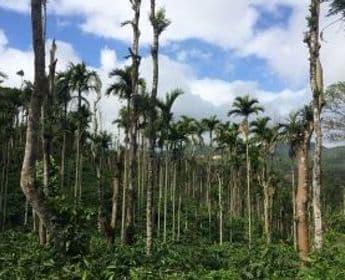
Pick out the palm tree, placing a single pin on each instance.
(79, 79)
(337, 7)
(298, 132)
(267, 137)
(122, 87)
(62, 98)
(132, 174)
(210, 124)
(244, 107)
(2, 77)
(178, 137)
(100, 145)
(165, 122)
(166, 113)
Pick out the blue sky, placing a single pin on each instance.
(221, 49)
(215, 64)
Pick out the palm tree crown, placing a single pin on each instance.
(245, 106)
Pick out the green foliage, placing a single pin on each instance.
(21, 257)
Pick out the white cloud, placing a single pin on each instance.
(12, 60)
(108, 59)
(193, 54)
(229, 24)
(16, 5)
(222, 94)
(284, 51)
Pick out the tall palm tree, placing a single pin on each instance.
(244, 107)
(166, 118)
(165, 107)
(267, 138)
(122, 87)
(78, 79)
(298, 132)
(62, 99)
(210, 124)
(132, 156)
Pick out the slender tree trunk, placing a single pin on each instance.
(266, 213)
(293, 193)
(151, 161)
(179, 214)
(132, 171)
(160, 197)
(208, 196)
(174, 200)
(5, 186)
(166, 197)
(77, 163)
(301, 203)
(63, 153)
(248, 195)
(26, 214)
(316, 84)
(124, 194)
(63, 149)
(115, 198)
(220, 206)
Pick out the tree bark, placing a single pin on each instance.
(248, 195)
(293, 193)
(166, 180)
(301, 202)
(115, 198)
(220, 205)
(27, 180)
(151, 161)
(132, 171)
(316, 84)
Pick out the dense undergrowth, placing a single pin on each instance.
(21, 257)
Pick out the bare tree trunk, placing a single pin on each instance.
(77, 163)
(220, 205)
(301, 203)
(316, 84)
(293, 192)
(266, 213)
(27, 180)
(46, 136)
(115, 198)
(5, 186)
(160, 197)
(165, 197)
(174, 200)
(151, 161)
(179, 214)
(208, 197)
(63, 150)
(248, 196)
(124, 194)
(132, 171)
